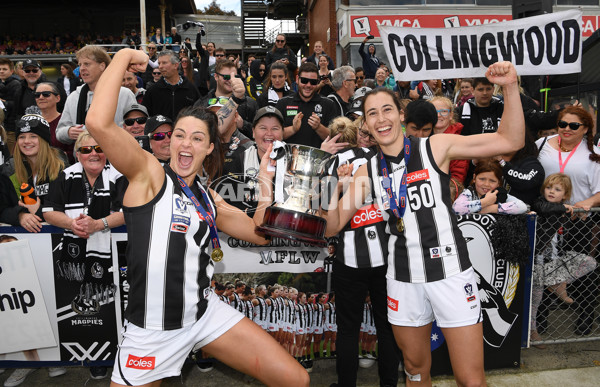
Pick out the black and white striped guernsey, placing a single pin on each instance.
(432, 247)
(260, 310)
(363, 241)
(169, 270)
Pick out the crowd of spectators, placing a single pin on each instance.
(272, 99)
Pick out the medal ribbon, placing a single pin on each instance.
(205, 215)
(560, 162)
(398, 207)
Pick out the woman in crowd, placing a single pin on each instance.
(446, 123)
(486, 195)
(573, 153)
(380, 77)
(281, 53)
(254, 82)
(415, 270)
(301, 321)
(189, 73)
(277, 86)
(465, 92)
(169, 330)
(47, 97)
(67, 79)
(36, 162)
(324, 87)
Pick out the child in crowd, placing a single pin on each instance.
(485, 194)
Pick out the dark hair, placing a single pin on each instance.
(530, 149)
(284, 45)
(481, 80)
(277, 66)
(69, 70)
(213, 163)
(489, 165)
(219, 286)
(188, 70)
(420, 113)
(357, 69)
(308, 67)
(588, 121)
(7, 238)
(221, 49)
(6, 61)
(377, 91)
(247, 291)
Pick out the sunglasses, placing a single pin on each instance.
(156, 73)
(221, 100)
(571, 125)
(305, 80)
(226, 76)
(161, 135)
(443, 112)
(151, 48)
(86, 150)
(45, 94)
(32, 71)
(361, 77)
(219, 55)
(280, 41)
(139, 120)
(364, 133)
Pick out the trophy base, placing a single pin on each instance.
(294, 225)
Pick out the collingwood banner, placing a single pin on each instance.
(546, 44)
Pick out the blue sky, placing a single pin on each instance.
(226, 5)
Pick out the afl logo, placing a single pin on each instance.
(477, 230)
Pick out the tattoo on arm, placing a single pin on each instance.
(226, 111)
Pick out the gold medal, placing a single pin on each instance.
(217, 254)
(400, 225)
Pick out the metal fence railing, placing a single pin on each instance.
(566, 288)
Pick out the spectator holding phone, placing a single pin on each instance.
(370, 61)
(281, 53)
(324, 87)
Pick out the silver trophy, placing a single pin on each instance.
(296, 214)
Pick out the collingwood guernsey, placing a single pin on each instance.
(168, 267)
(432, 247)
(363, 241)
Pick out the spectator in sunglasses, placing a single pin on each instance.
(93, 60)
(172, 92)
(148, 75)
(281, 53)
(135, 119)
(47, 97)
(159, 129)
(24, 98)
(306, 114)
(225, 74)
(156, 75)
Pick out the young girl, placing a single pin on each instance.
(485, 195)
(555, 268)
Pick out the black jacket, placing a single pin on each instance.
(313, 59)
(8, 90)
(73, 83)
(9, 202)
(280, 53)
(523, 178)
(168, 100)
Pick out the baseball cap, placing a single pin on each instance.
(361, 91)
(31, 63)
(135, 107)
(356, 107)
(267, 111)
(36, 124)
(155, 122)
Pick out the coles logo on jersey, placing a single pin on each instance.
(392, 304)
(141, 363)
(415, 176)
(366, 216)
(291, 110)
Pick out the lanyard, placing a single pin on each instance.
(206, 216)
(560, 162)
(89, 192)
(397, 207)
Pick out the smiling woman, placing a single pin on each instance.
(171, 238)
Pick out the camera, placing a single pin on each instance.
(324, 77)
(370, 37)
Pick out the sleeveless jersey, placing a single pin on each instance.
(432, 247)
(363, 241)
(168, 268)
(330, 314)
(318, 314)
(273, 310)
(260, 310)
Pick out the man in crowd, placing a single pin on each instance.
(176, 38)
(344, 82)
(482, 113)
(93, 60)
(171, 93)
(225, 72)
(133, 40)
(130, 81)
(306, 113)
(369, 60)
(360, 77)
(9, 82)
(148, 75)
(134, 119)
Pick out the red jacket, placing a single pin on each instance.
(458, 168)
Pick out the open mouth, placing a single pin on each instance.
(384, 130)
(185, 159)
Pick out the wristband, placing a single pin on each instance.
(502, 162)
(237, 100)
(106, 228)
